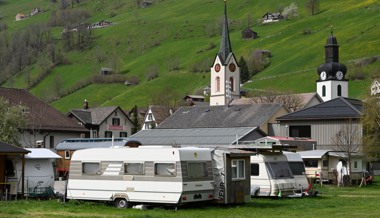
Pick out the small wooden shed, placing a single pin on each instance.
(232, 176)
(248, 33)
(7, 150)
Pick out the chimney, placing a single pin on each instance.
(85, 104)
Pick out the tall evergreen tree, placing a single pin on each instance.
(244, 72)
(135, 120)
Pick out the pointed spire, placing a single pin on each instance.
(331, 49)
(225, 45)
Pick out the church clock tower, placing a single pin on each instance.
(225, 72)
(332, 82)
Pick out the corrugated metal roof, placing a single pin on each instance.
(197, 136)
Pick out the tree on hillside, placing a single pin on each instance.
(290, 11)
(348, 140)
(371, 127)
(312, 6)
(12, 120)
(244, 72)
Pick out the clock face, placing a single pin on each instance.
(232, 67)
(217, 68)
(339, 75)
(323, 75)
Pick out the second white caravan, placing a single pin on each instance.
(298, 170)
(271, 175)
(147, 174)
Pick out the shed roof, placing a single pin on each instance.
(253, 115)
(7, 148)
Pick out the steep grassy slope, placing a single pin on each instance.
(178, 30)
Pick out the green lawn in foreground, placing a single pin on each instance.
(333, 202)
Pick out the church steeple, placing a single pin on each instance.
(332, 82)
(225, 44)
(225, 71)
(331, 49)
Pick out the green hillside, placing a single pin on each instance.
(186, 33)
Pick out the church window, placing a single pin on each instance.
(232, 84)
(323, 91)
(217, 81)
(339, 90)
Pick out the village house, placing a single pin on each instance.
(20, 16)
(155, 115)
(272, 17)
(45, 125)
(102, 122)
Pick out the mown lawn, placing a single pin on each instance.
(333, 202)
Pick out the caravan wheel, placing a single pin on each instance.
(121, 203)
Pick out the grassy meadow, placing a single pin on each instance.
(188, 32)
(333, 202)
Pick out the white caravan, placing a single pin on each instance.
(147, 174)
(271, 175)
(297, 167)
(39, 172)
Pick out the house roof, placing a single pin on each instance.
(40, 114)
(253, 115)
(41, 153)
(207, 137)
(338, 108)
(160, 113)
(7, 148)
(95, 116)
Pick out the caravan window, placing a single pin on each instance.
(255, 169)
(279, 169)
(91, 168)
(311, 163)
(297, 168)
(134, 168)
(197, 170)
(238, 169)
(164, 169)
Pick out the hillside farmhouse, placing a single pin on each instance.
(45, 125)
(102, 122)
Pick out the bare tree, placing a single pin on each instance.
(371, 127)
(348, 140)
(292, 101)
(312, 6)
